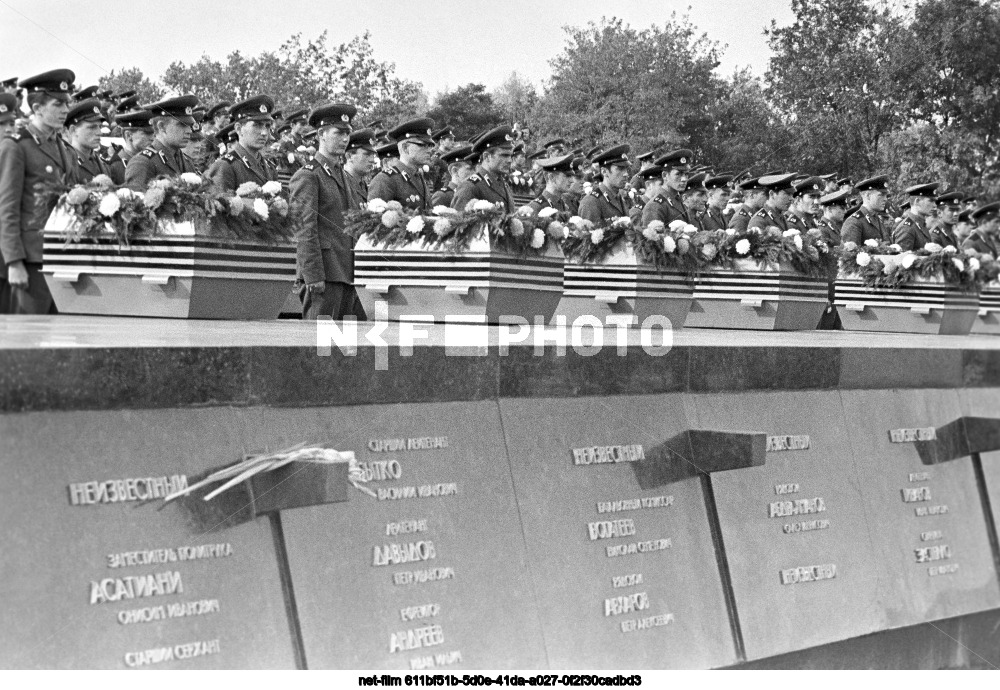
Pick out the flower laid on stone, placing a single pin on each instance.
(377, 206)
(102, 181)
(797, 240)
(931, 247)
(77, 195)
(895, 247)
(650, 233)
(537, 238)
(547, 212)
(440, 210)
(950, 249)
(709, 251)
(689, 229)
(849, 246)
(280, 206)
(236, 206)
(907, 260)
(743, 246)
(622, 222)
(974, 263)
(125, 194)
(271, 187)
(526, 211)
(191, 178)
(669, 245)
(441, 227)
(597, 236)
(394, 205)
(415, 226)
(260, 208)
(863, 258)
(557, 230)
(153, 197)
(247, 188)
(677, 225)
(958, 263)
(871, 243)
(791, 232)
(516, 227)
(110, 204)
(391, 218)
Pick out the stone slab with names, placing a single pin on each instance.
(98, 574)
(431, 572)
(925, 521)
(985, 402)
(801, 576)
(619, 539)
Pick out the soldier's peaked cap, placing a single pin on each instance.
(777, 183)
(221, 105)
(421, 129)
(696, 183)
(362, 139)
(563, 164)
(53, 81)
(332, 115)
(135, 119)
(558, 141)
(838, 198)
(879, 182)
(751, 184)
(928, 189)
(259, 108)
(84, 94)
(950, 199)
(986, 212)
(180, 108)
(443, 133)
(298, 114)
(84, 111)
(616, 155)
(456, 154)
(8, 106)
(680, 159)
(127, 104)
(499, 138)
(648, 156)
(809, 185)
(718, 182)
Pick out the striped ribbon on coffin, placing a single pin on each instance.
(175, 274)
(989, 311)
(924, 305)
(760, 297)
(621, 284)
(478, 285)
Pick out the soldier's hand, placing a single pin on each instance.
(318, 288)
(17, 275)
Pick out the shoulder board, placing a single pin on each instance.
(443, 189)
(539, 200)
(594, 192)
(148, 153)
(309, 166)
(762, 213)
(228, 157)
(473, 178)
(390, 172)
(743, 212)
(907, 221)
(659, 199)
(16, 136)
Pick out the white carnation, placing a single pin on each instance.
(597, 235)
(482, 205)
(743, 247)
(798, 241)
(415, 226)
(863, 259)
(895, 248)
(959, 264)
(440, 210)
(110, 203)
(677, 224)
(650, 233)
(932, 247)
(791, 232)
(271, 187)
(688, 229)
(191, 178)
(547, 212)
(871, 243)
(730, 231)
(260, 208)
(973, 264)
(525, 211)
(669, 245)
(377, 206)
(849, 246)
(537, 238)
(907, 260)
(951, 250)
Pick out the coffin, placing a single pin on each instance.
(621, 284)
(176, 274)
(758, 297)
(478, 285)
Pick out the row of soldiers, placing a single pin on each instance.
(340, 170)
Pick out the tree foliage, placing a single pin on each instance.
(132, 78)
(468, 110)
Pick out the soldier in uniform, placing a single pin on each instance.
(834, 207)
(388, 155)
(489, 182)
(172, 125)
(459, 169)
(360, 161)
(83, 124)
(779, 198)
(571, 199)
(645, 161)
(808, 191)
(718, 197)
(217, 117)
(754, 198)
(695, 197)
(8, 114)
(605, 201)
(911, 232)
(866, 223)
(668, 206)
(322, 195)
(964, 226)
(558, 180)
(32, 155)
(650, 180)
(9, 86)
(444, 141)
(137, 134)
(245, 162)
(405, 181)
(942, 228)
(984, 238)
(554, 148)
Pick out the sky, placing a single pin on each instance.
(442, 44)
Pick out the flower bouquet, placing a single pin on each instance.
(769, 280)
(474, 264)
(181, 250)
(935, 289)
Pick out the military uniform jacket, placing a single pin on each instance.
(712, 219)
(602, 204)
(238, 166)
(666, 207)
(483, 185)
(117, 163)
(942, 234)
(547, 200)
(829, 232)
(571, 200)
(911, 232)
(398, 183)
(87, 167)
(358, 186)
(799, 221)
(864, 225)
(443, 196)
(152, 162)
(981, 243)
(321, 195)
(740, 220)
(635, 210)
(767, 217)
(26, 159)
